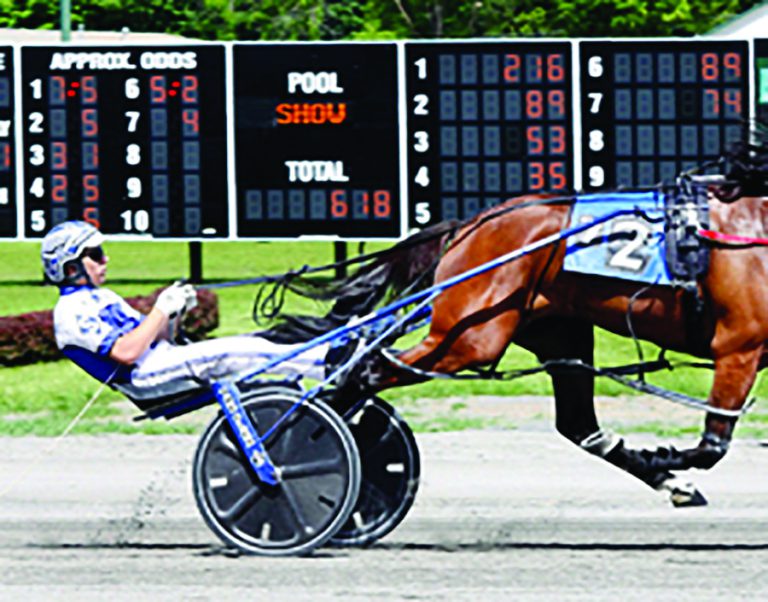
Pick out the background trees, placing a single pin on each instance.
(381, 19)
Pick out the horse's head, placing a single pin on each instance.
(746, 167)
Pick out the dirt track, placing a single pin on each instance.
(501, 515)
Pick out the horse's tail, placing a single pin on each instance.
(407, 266)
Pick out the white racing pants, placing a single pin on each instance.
(225, 356)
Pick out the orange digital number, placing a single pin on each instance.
(91, 215)
(59, 188)
(534, 135)
(88, 87)
(732, 100)
(90, 127)
(557, 175)
(732, 64)
(512, 68)
(556, 140)
(710, 70)
(339, 206)
(536, 175)
(534, 104)
(91, 188)
(382, 207)
(59, 155)
(555, 69)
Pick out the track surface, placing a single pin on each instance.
(501, 515)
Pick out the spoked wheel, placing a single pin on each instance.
(390, 462)
(319, 470)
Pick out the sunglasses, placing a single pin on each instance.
(95, 253)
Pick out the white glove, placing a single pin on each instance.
(191, 297)
(173, 299)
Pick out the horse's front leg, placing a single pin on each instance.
(734, 375)
(575, 418)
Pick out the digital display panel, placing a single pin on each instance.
(316, 140)
(650, 110)
(132, 139)
(353, 140)
(7, 146)
(486, 122)
(761, 80)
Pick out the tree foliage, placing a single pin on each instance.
(381, 19)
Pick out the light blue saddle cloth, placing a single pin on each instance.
(630, 247)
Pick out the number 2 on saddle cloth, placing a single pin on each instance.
(658, 245)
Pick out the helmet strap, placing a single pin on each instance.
(77, 274)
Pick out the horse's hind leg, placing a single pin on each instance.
(566, 339)
(575, 419)
(478, 336)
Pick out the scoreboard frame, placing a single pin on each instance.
(401, 149)
(647, 101)
(513, 99)
(294, 108)
(146, 139)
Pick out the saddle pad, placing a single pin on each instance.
(630, 246)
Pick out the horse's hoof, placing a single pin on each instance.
(682, 494)
(687, 498)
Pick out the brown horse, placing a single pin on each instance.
(533, 303)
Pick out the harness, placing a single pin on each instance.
(732, 241)
(687, 213)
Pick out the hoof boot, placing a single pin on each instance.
(687, 498)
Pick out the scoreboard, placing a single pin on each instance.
(486, 121)
(652, 109)
(316, 139)
(357, 140)
(132, 139)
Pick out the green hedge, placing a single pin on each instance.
(28, 338)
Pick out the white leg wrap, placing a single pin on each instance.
(600, 443)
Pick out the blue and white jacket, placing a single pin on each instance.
(87, 321)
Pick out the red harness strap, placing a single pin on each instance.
(733, 239)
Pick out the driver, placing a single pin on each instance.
(105, 336)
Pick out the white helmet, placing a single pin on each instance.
(65, 243)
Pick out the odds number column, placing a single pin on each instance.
(653, 109)
(61, 149)
(486, 122)
(7, 146)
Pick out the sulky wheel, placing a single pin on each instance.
(319, 470)
(390, 462)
